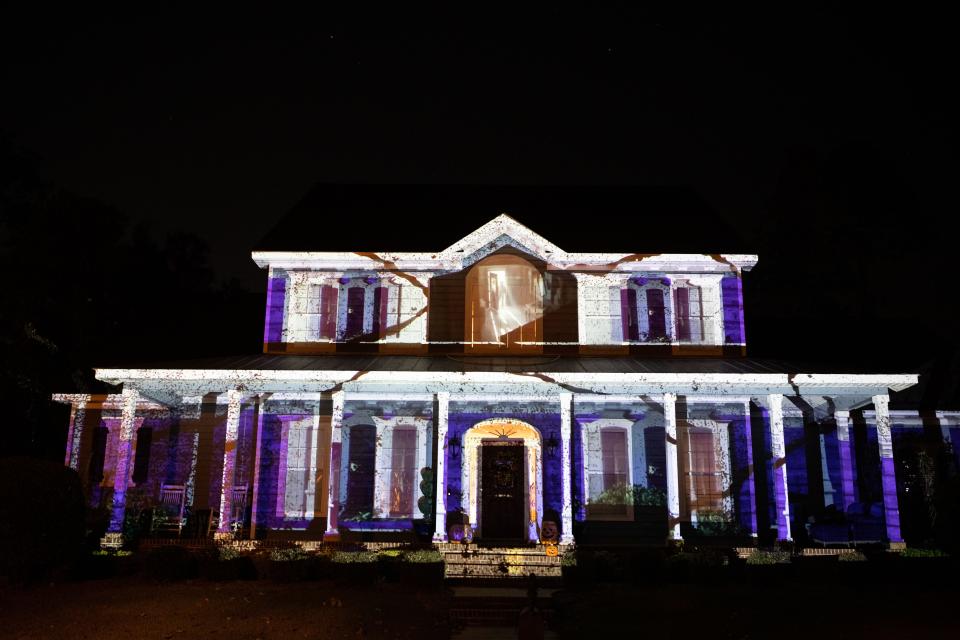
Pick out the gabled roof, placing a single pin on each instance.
(505, 229)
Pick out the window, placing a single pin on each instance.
(656, 315)
(403, 472)
(504, 305)
(363, 314)
(703, 467)
(299, 491)
(613, 444)
(322, 312)
(688, 303)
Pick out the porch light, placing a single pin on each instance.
(454, 445)
(552, 444)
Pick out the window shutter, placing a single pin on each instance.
(380, 312)
(628, 314)
(328, 312)
(683, 314)
(141, 465)
(731, 291)
(656, 314)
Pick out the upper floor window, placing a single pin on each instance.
(321, 312)
(504, 305)
(645, 310)
(363, 308)
(688, 304)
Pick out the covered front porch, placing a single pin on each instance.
(508, 457)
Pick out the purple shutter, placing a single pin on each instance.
(683, 314)
(628, 314)
(656, 314)
(732, 292)
(276, 296)
(328, 312)
(355, 297)
(379, 311)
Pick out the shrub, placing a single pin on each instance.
(569, 559)
(349, 557)
(170, 563)
(41, 517)
(915, 552)
(853, 556)
(288, 554)
(766, 557)
(227, 553)
(423, 556)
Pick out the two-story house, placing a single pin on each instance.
(502, 388)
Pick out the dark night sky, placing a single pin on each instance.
(826, 143)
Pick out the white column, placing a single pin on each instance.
(440, 480)
(842, 420)
(673, 477)
(778, 450)
(888, 473)
(333, 506)
(255, 489)
(229, 461)
(78, 414)
(122, 470)
(566, 462)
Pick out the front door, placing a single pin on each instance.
(502, 481)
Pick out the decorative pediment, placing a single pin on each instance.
(501, 232)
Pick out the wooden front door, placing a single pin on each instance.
(502, 481)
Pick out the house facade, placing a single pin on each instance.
(503, 390)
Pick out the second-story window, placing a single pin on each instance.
(645, 310)
(688, 305)
(363, 308)
(322, 312)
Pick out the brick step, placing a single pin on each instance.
(510, 562)
(486, 571)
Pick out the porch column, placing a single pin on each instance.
(888, 474)
(78, 414)
(333, 484)
(778, 450)
(749, 492)
(440, 482)
(255, 476)
(229, 462)
(842, 419)
(672, 464)
(121, 475)
(566, 463)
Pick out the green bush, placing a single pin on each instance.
(422, 556)
(623, 494)
(767, 557)
(916, 552)
(42, 517)
(170, 563)
(288, 554)
(855, 556)
(227, 553)
(350, 557)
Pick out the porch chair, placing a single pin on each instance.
(172, 505)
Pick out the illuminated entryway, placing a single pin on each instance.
(505, 432)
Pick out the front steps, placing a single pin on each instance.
(475, 562)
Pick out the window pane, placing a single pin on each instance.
(404, 472)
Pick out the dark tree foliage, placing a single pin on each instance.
(84, 289)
